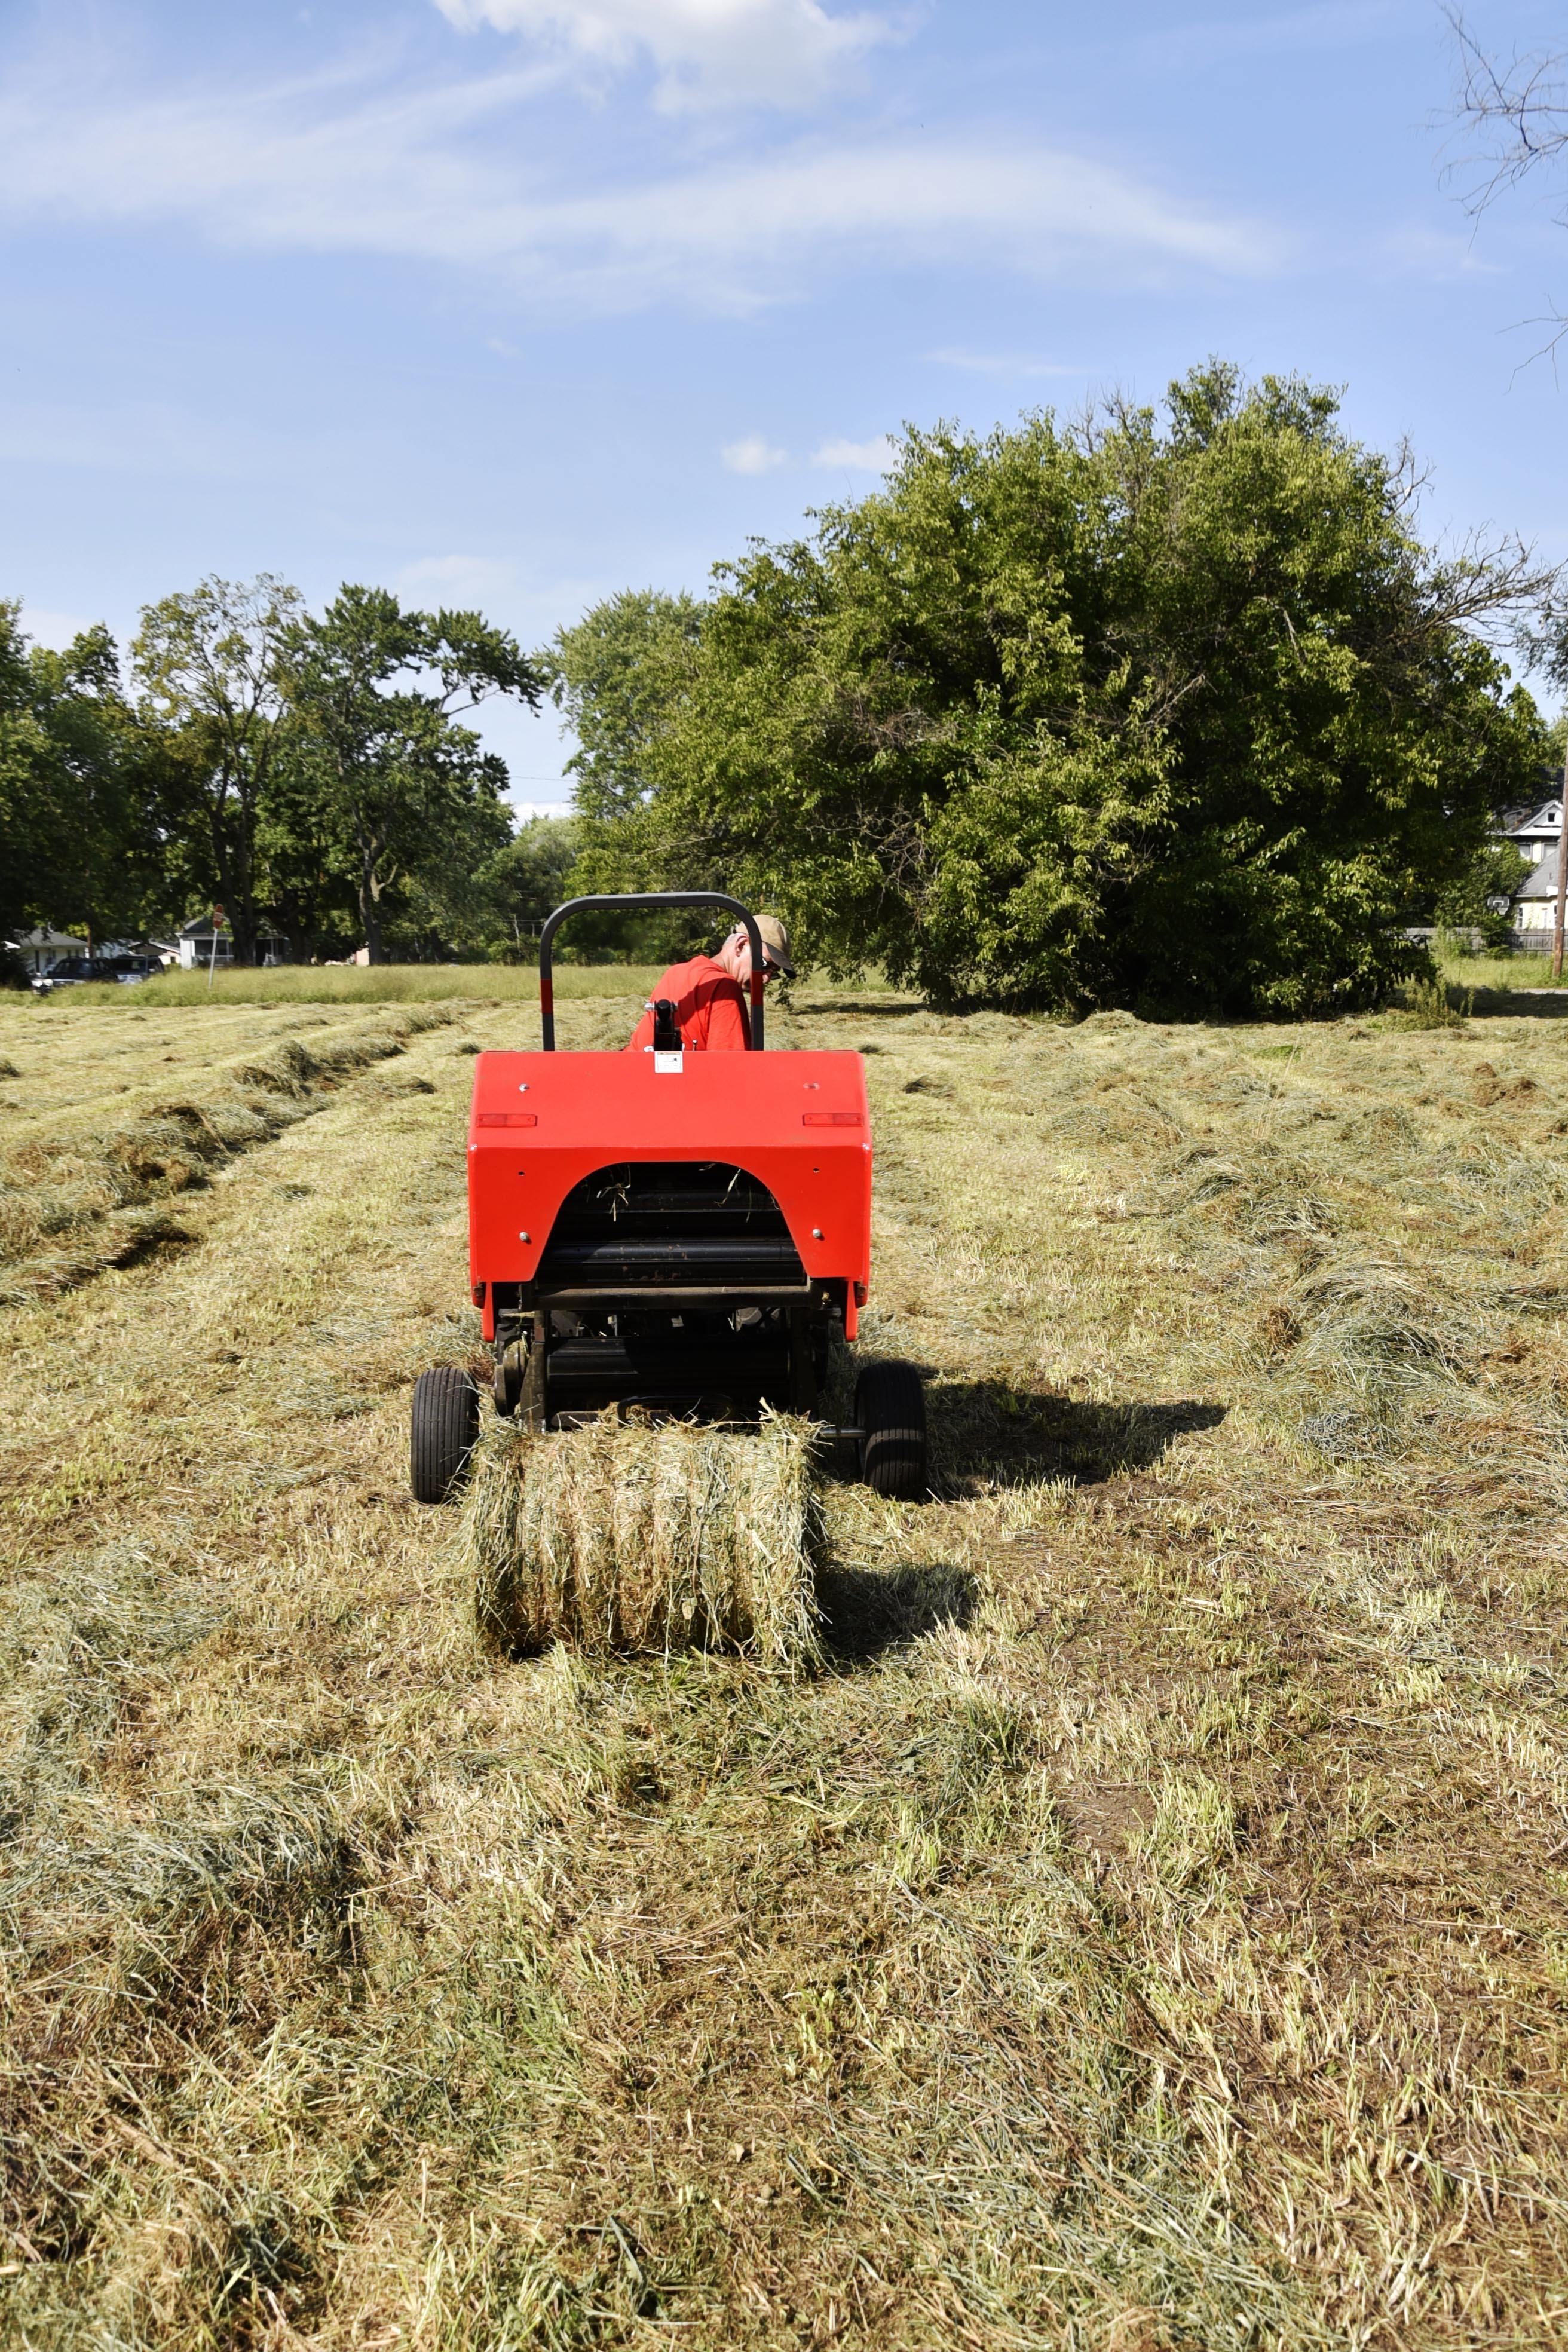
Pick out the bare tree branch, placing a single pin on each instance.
(1520, 109)
(1487, 579)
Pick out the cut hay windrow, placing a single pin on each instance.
(632, 1537)
(73, 1204)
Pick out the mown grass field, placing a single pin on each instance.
(1149, 1929)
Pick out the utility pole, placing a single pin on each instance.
(1562, 880)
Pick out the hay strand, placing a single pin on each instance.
(621, 1536)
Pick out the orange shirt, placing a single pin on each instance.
(710, 1007)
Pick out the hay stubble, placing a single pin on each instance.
(1146, 1930)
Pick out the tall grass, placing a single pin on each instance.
(393, 984)
(1499, 975)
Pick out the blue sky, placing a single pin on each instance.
(517, 302)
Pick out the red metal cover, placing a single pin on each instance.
(799, 1123)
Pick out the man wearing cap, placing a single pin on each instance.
(710, 992)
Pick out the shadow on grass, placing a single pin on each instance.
(1521, 1004)
(855, 1008)
(866, 1611)
(987, 1430)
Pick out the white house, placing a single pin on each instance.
(39, 949)
(1538, 833)
(1535, 908)
(196, 945)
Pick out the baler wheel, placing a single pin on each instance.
(890, 1409)
(445, 1426)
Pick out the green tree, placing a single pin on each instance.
(38, 837)
(406, 792)
(1169, 711)
(1482, 899)
(613, 675)
(85, 789)
(526, 880)
(305, 878)
(446, 903)
(208, 665)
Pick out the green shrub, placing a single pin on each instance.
(1169, 714)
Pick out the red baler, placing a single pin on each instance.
(686, 1233)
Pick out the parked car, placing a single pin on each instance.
(73, 971)
(69, 971)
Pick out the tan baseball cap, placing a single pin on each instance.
(775, 945)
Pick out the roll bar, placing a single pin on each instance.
(622, 902)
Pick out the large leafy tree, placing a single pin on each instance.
(86, 790)
(306, 880)
(1482, 900)
(526, 880)
(613, 675)
(208, 664)
(38, 837)
(1169, 710)
(375, 695)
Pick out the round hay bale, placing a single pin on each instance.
(627, 1536)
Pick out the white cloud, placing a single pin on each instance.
(744, 227)
(56, 630)
(1258, 31)
(1435, 255)
(324, 167)
(703, 52)
(458, 581)
(1003, 363)
(877, 457)
(140, 436)
(752, 455)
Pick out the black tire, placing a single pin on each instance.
(891, 1408)
(444, 1427)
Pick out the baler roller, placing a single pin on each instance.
(691, 1259)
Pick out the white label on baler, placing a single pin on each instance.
(669, 1066)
